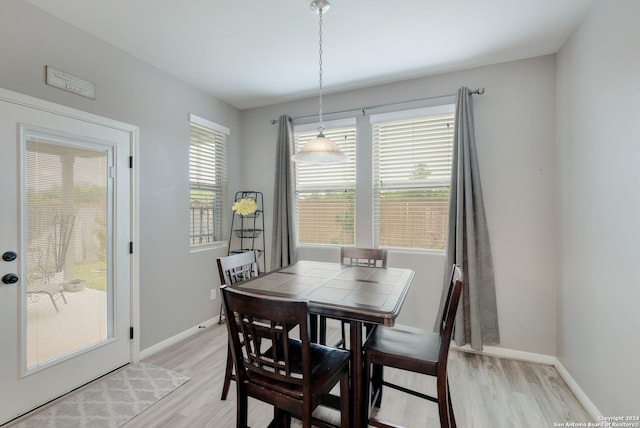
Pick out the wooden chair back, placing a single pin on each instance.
(449, 314)
(278, 369)
(236, 268)
(260, 337)
(371, 257)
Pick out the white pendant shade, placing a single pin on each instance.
(320, 150)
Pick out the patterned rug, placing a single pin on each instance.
(111, 401)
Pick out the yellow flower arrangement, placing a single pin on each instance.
(245, 207)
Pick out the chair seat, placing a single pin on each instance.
(397, 346)
(325, 362)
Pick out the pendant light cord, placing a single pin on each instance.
(321, 128)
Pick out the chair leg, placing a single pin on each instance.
(443, 403)
(306, 415)
(452, 419)
(377, 379)
(242, 409)
(368, 390)
(54, 302)
(345, 406)
(281, 418)
(228, 374)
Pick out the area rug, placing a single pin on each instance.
(110, 401)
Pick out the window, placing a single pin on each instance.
(325, 194)
(411, 175)
(207, 180)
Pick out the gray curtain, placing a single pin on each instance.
(283, 245)
(468, 237)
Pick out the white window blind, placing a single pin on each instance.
(411, 176)
(325, 194)
(207, 181)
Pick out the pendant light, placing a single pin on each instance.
(320, 150)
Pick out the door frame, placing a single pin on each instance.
(134, 217)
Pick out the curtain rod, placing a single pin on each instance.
(478, 91)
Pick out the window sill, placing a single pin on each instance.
(208, 247)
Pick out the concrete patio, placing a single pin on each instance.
(81, 322)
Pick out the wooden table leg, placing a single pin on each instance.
(357, 385)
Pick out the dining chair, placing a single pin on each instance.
(234, 269)
(354, 256)
(371, 257)
(417, 351)
(293, 375)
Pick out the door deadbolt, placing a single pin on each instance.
(9, 256)
(10, 278)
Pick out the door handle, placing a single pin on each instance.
(10, 278)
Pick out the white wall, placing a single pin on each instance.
(598, 158)
(174, 283)
(515, 131)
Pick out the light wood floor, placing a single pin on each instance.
(487, 392)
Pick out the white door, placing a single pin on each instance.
(65, 229)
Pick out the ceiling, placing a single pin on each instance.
(251, 53)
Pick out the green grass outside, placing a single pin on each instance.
(94, 273)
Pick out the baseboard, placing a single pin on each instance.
(177, 338)
(582, 397)
(513, 354)
(533, 357)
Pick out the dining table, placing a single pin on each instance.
(356, 294)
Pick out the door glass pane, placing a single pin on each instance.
(66, 198)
